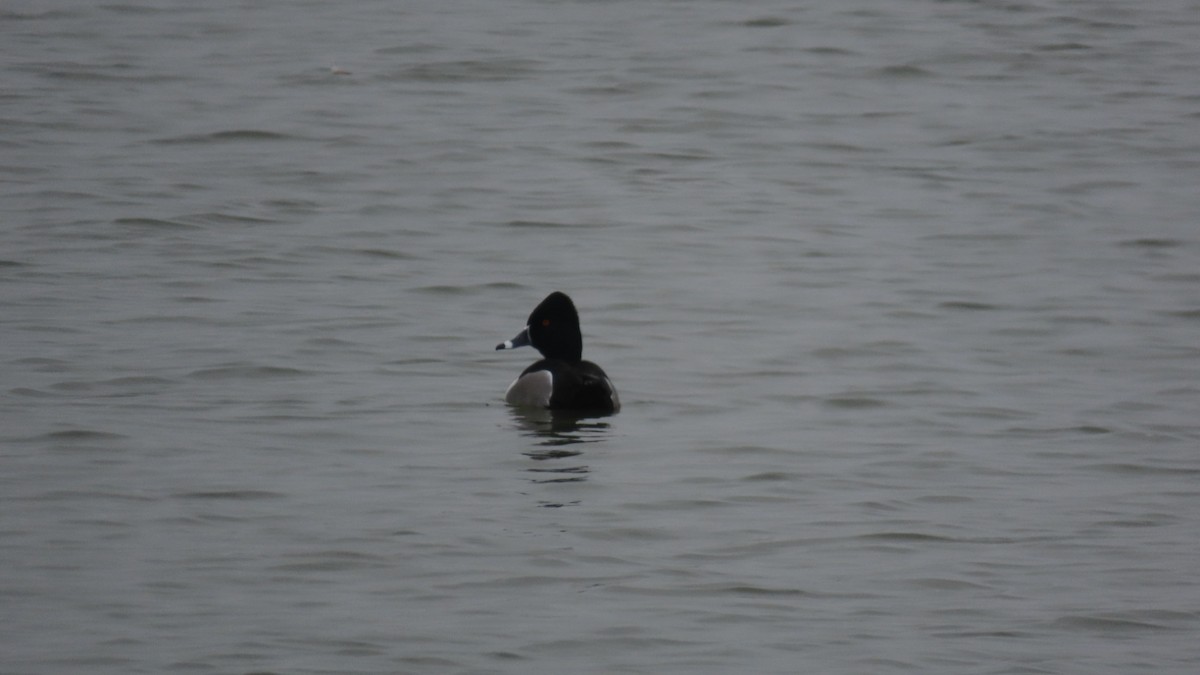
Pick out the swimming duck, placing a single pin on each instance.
(561, 380)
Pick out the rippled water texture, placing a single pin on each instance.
(902, 299)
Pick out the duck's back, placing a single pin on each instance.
(577, 386)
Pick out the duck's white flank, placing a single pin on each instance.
(532, 389)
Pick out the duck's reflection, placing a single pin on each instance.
(558, 437)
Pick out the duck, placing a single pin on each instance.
(561, 380)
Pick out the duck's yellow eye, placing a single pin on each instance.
(545, 322)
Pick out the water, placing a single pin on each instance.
(901, 299)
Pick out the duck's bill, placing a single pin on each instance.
(521, 340)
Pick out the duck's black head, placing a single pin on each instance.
(552, 329)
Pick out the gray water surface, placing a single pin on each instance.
(902, 300)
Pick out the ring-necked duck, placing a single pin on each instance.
(562, 380)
